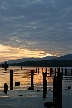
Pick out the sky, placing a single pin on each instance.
(35, 28)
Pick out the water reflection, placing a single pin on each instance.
(23, 76)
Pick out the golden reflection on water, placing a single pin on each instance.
(23, 76)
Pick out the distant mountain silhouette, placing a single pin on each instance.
(65, 57)
(29, 59)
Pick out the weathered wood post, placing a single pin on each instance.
(55, 71)
(11, 79)
(46, 70)
(21, 67)
(32, 73)
(65, 72)
(51, 71)
(55, 90)
(42, 70)
(58, 69)
(59, 90)
(62, 70)
(36, 70)
(5, 88)
(71, 72)
(44, 85)
(32, 85)
(62, 73)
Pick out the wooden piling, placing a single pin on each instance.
(42, 70)
(36, 70)
(46, 70)
(55, 71)
(51, 71)
(11, 79)
(62, 73)
(71, 72)
(21, 67)
(59, 90)
(59, 69)
(55, 90)
(32, 73)
(44, 85)
(65, 72)
(32, 85)
(62, 70)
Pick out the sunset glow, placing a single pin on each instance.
(10, 53)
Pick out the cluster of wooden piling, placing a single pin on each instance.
(18, 83)
(37, 70)
(57, 89)
(57, 83)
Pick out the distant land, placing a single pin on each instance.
(49, 61)
(30, 59)
(65, 57)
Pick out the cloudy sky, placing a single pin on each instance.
(35, 28)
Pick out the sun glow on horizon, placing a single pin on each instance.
(13, 53)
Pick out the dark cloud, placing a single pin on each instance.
(37, 24)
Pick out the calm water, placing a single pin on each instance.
(23, 76)
(31, 99)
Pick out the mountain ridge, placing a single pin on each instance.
(65, 57)
(29, 59)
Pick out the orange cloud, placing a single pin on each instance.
(10, 53)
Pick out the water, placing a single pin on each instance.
(20, 96)
(23, 76)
